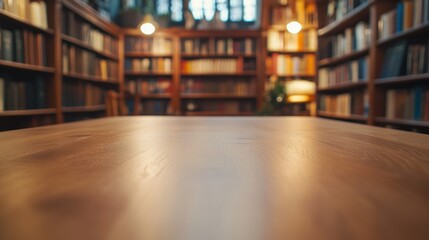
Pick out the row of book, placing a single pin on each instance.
(149, 86)
(155, 45)
(82, 94)
(352, 40)
(81, 61)
(350, 72)
(23, 46)
(406, 58)
(337, 9)
(224, 46)
(223, 65)
(227, 86)
(77, 27)
(285, 41)
(146, 65)
(19, 94)
(406, 15)
(409, 103)
(345, 104)
(284, 64)
(150, 107)
(218, 106)
(306, 14)
(32, 11)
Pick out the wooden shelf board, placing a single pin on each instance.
(402, 122)
(12, 19)
(133, 73)
(27, 67)
(421, 29)
(282, 27)
(344, 87)
(78, 109)
(298, 75)
(218, 113)
(361, 13)
(341, 59)
(155, 96)
(27, 112)
(148, 54)
(298, 52)
(88, 47)
(215, 96)
(402, 79)
(235, 55)
(90, 78)
(253, 73)
(358, 118)
(227, 33)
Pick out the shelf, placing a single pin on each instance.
(90, 78)
(146, 54)
(236, 55)
(402, 79)
(361, 13)
(356, 118)
(218, 113)
(298, 52)
(11, 20)
(343, 87)
(160, 74)
(282, 28)
(79, 109)
(342, 59)
(155, 96)
(88, 47)
(402, 122)
(298, 75)
(416, 31)
(243, 74)
(26, 67)
(27, 112)
(215, 96)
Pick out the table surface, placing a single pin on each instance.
(199, 178)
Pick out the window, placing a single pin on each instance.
(238, 10)
(230, 10)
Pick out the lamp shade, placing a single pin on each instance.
(148, 26)
(300, 90)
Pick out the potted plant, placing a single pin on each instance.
(130, 16)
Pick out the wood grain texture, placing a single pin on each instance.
(238, 178)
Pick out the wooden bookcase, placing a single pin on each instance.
(26, 73)
(90, 61)
(33, 78)
(390, 96)
(219, 72)
(226, 84)
(288, 56)
(151, 76)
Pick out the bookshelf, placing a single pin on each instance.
(90, 61)
(39, 84)
(219, 72)
(150, 72)
(27, 65)
(344, 60)
(290, 57)
(396, 52)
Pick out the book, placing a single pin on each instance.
(7, 44)
(393, 62)
(1, 94)
(18, 46)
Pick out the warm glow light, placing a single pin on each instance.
(300, 87)
(147, 28)
(294, 27)
(298, 98)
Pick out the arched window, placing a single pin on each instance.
(230, 10)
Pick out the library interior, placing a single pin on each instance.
(214, 119)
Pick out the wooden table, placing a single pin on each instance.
(213, 178)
